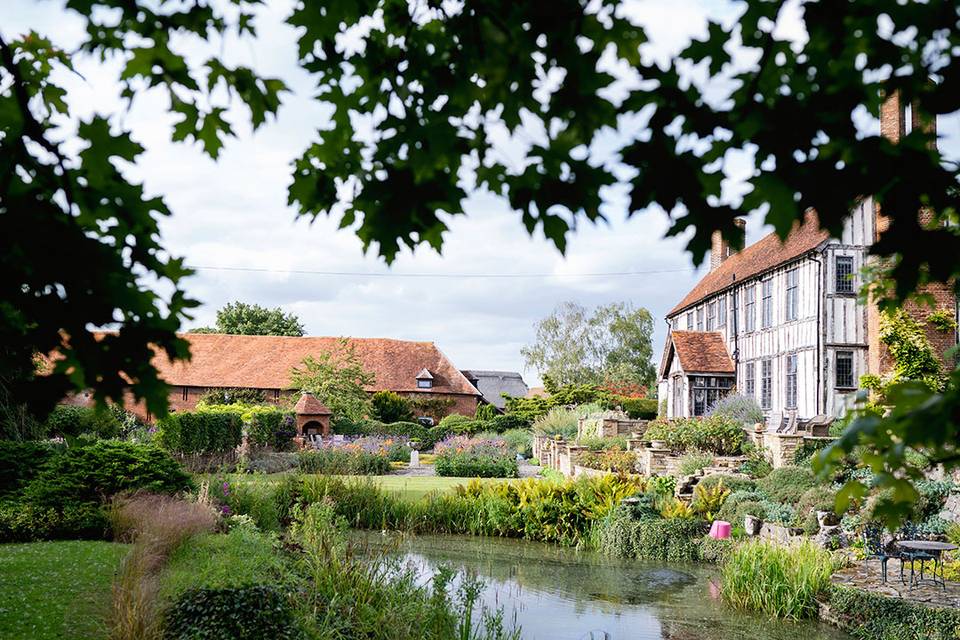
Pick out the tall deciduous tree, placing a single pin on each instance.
(244, 319)
(611, 344)
(337, 378)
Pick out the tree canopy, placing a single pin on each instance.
(611, 344)
(424, 96)
(338, 380)
(241, 318)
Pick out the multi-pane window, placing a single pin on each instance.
(792, 297)
(424, 383)
(711, 316)
(722, 311)
(750, 379)
(791, 382)
(700, 319)
(750, 308)
(767, 308)
(690, 321)
(844, 271)
(706, 390)
(186, 393)
(766, 383)
(845, 370)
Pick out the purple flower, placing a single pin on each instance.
(226, 488)
(225, 510)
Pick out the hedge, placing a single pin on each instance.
(25, 522)
(241, 613)
(206, 430)
(870, 616)
(270, 427)
(69, 420)
(20, 462)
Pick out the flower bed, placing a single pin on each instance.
(362, 456)
(465, 457)
(614, 459)
(719, 435)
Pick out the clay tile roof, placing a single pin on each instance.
(264, 362)
(761, 256)
(424, 375)
(701, 351)
(308, 405)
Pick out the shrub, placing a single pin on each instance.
(459, 456)
(779, 581)
(90, 472)
(787, 484)
(519, 441)
(717, 434)
(732, 482)
(743, 409)
(486, 411)
(638, 408)
(870, 616)
(740, 504)
(364, 456)
(504, 422)
(206, 430)
(387, 406)
(614, 460)
(454, 419)
(25, 522)
(707, 499)
(558, 422)
(242, 613)
(693, 462)
(257, 500)
(716, 550)
(595, 443)
(756, 464)
(662, 485)
(933, 495)
(68, 420)
(675, 540)
(813, 500)
(676, 508)
(20, 462)
(269, 426)
(805, 452)
(233, 395)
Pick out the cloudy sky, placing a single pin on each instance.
(232, 214)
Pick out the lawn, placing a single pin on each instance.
(56, 589)
(409, 487)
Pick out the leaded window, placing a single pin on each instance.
(791, 382)
(705, 391)
(767, 308)
(766, 383)
(711, 316)
(690, 321)
(722, 311)
(750, 379)
(750, 308)
(700, 319)
(845, 370)
(844, 273)
(792, 297)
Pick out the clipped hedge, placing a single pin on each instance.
(206, 430)
(870, 616)
(270, 427)
(25, 522)
(241, 613)
(638, 408)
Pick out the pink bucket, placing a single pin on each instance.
(720, 530)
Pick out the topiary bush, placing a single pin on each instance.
(92, 472)
(68, 420)
(787, 484)
(214, 429)
(240, 613)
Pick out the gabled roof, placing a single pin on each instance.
(763, 255)
(309, 405)
(424, 374)
(698, 352)
(264, 362)
(493, 384)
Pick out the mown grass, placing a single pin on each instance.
(57, 589)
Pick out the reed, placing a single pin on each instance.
(783, 582)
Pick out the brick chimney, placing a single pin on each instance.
(720, 249)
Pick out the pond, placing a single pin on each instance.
(555, 593)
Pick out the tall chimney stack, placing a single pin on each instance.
(720, 249)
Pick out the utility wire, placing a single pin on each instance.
(367, 274)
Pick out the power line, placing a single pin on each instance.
(367, 274)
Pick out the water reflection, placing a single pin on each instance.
(561, 594)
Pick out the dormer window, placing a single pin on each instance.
(424, 379)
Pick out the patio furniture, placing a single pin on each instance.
(926, 550)
(876, 549)
(819, 425)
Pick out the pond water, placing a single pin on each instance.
(561, 594)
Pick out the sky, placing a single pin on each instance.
(232, 214)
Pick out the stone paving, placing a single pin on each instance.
(866, 575)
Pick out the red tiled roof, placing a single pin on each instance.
(761, 256)
(700, 352)
(308, 405)
(264, 362)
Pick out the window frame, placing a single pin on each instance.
(689, 320)
(766, 303)
(843, 284)
(750, 380)
(845, 354)
(790, 382)
(791, 307)
(711, 389)
(722, 311)
(424, 383)
(750, 308)
(766, 384)
(711, 316)
(699, 318)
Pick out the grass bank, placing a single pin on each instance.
(57, 589)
